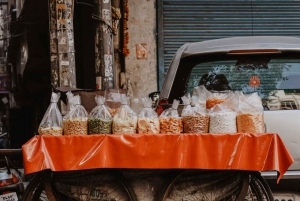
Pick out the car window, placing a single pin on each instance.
(277, 81)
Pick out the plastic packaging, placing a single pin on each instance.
(202, 93)
(250, 118)
(51, 123)
(69, 95)
(113, 101)
(125, 120)
(148, 121)
(223, 116)
(169, 120)
(217, 97)
(100, 119)
(194, 117)
(75, 122)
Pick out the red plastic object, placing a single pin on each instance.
(242, 151)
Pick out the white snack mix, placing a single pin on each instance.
(223, 122)
(121, 125)
(148, 125)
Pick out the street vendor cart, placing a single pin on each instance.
(153, 167)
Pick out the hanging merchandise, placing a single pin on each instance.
(51, 123)
(125, 120)
(194, 117)
(169, 120)
(148, 121)
(75, 122)
(100, 120)
(250, 118)
(223, 116)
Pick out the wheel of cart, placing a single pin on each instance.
(85, 185)
(215, 185)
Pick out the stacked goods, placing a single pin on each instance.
(169, 120)
(223, 116)
(148, 121)
(100, 119)
(75, 121)
(125, 120)
(51, 123)
(250, 118)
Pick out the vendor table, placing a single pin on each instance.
(238, 151)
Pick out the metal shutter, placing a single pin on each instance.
(181, 21)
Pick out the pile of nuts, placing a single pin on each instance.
(75, 126)
(171, 125)
(148, 125)
(250, 123)
(195, 123)
(50, 131)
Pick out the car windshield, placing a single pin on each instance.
(277, 81)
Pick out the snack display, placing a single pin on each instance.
(222, 122)
(250, 123)
(148, 121)
(223, 116)
(210, 103)
(75, 122)
(125, 120)
(169, 120)
(250, 118)
(75, 126)
(100, 119)
(51, 123)
(50, 131)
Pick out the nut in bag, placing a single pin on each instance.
(194, 117)
(148, 121)
(125, 120)
(100, 119)
(169, 120)
(250, 118)
(223, 116)
(52, 123)
(75, 122)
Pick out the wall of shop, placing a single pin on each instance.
(141, 62)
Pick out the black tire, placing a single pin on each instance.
(79, 185)
(205, 185)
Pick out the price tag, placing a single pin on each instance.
(9, 197)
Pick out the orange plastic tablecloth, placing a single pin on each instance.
(242, 151)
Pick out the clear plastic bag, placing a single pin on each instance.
(100, 119)
(69, 95)
(223, 116)
(217, 97)
(169, 120)
(194, 117)
(250, 118)
(75, 122)
(125, 120)
(148, 122)
(202, 93)
(113, 101)
(52, 123)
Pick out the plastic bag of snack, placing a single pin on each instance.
(217, 97)
(75, 122)
(194, 117)
(69, 95)
(202, 93)
(113, 101)
(100, 119)
(148, 121)
(52, 123)
(223, 116)
(125, 120)
(250, 118)
(169, 120)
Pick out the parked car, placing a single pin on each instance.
(268, 65)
